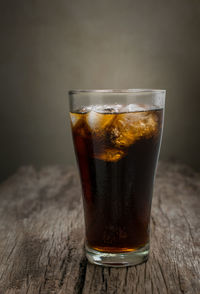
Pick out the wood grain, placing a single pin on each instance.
(42, 231)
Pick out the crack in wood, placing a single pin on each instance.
(163, 276)
(81, 276)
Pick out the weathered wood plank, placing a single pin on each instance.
(42, 246)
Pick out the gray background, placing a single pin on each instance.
(48, 47)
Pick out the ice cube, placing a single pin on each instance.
(110, 154)
(79, 125)
(75, 117)
(97, 122)
(130, 127)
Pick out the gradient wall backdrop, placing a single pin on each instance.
(48, 47)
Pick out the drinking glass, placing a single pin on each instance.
(117, 135)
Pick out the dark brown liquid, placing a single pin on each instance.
(117, 178)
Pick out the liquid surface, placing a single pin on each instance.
(117, 148)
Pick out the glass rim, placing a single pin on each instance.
(116, 91)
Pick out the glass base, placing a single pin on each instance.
(117, 259)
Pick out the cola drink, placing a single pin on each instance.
(117, 149)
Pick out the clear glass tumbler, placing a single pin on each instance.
(117, 135)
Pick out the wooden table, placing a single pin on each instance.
(42, 245)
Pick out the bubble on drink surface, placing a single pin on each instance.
(113, 108)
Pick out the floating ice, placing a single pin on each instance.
(74, 118)
(114, 128)
(130, 127)
(97, 122)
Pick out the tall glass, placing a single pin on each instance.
(117, 135)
